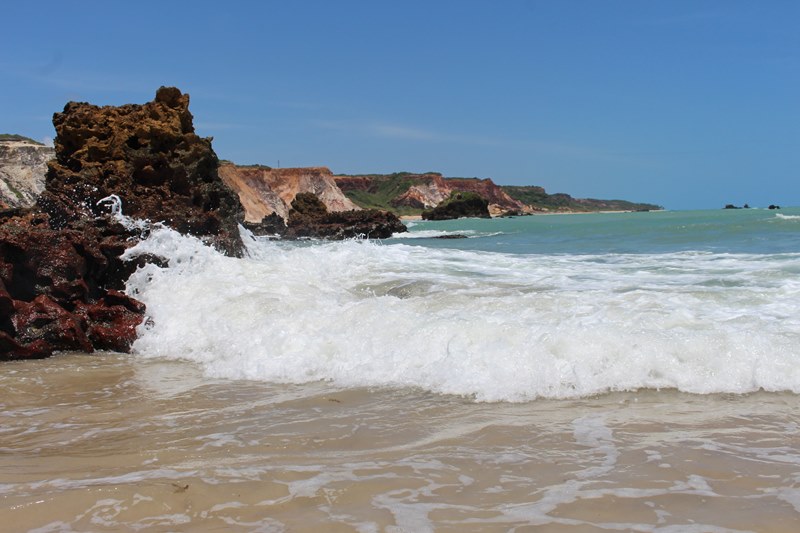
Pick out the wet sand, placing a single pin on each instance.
(118, 443)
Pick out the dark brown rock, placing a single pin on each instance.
(149, 156)
(309, 218)
(272, 224)
(459, 205)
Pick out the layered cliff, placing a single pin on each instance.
(23, 165)
(409, 193)
(263, 191)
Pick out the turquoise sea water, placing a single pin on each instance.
(756, 231)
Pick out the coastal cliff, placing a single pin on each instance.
(539, 201)
(409, 193)
(263, 191)
(23, 165)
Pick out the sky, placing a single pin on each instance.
(685, 104)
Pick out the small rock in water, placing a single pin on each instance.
(453, 236)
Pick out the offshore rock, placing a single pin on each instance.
(459, 205)
(310, 218)
(23, 164)
(150, 157)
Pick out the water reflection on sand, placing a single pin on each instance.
(112, 442)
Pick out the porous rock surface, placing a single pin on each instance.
(150, 157)
(61, 274)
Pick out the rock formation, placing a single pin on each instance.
(23, 165)
(61, 289)
(263, 191)
(459, 205)
(61, 274)
(150, 157)
(310, 218)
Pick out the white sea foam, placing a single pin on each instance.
(787, 217)
(437, 234)
(497, 327)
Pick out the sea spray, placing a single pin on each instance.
(491, 326)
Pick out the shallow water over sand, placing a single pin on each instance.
(115, 442)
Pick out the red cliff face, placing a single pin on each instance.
(499, 201)
(428, 191)
(263, 190)
(424, 191)
(353, 183)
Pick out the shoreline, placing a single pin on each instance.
(419, 217)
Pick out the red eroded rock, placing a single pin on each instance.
(45, 320)
(57, 288)
(112, 321)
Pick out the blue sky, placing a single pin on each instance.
(688, 104)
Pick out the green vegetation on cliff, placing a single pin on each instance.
(382, 189)
(539, 200)
(459, 205)
(15, 137)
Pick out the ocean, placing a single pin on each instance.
(617, 371)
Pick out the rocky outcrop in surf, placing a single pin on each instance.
(149, 156)
(61, 289)
(309, 218)
(61, 275)
(23, 165)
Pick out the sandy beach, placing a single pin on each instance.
(115, 443)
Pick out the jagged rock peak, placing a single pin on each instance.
(149, 156)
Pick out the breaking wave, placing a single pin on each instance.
(491, 326)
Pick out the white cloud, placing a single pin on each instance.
(401, 131)
(535, 147)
